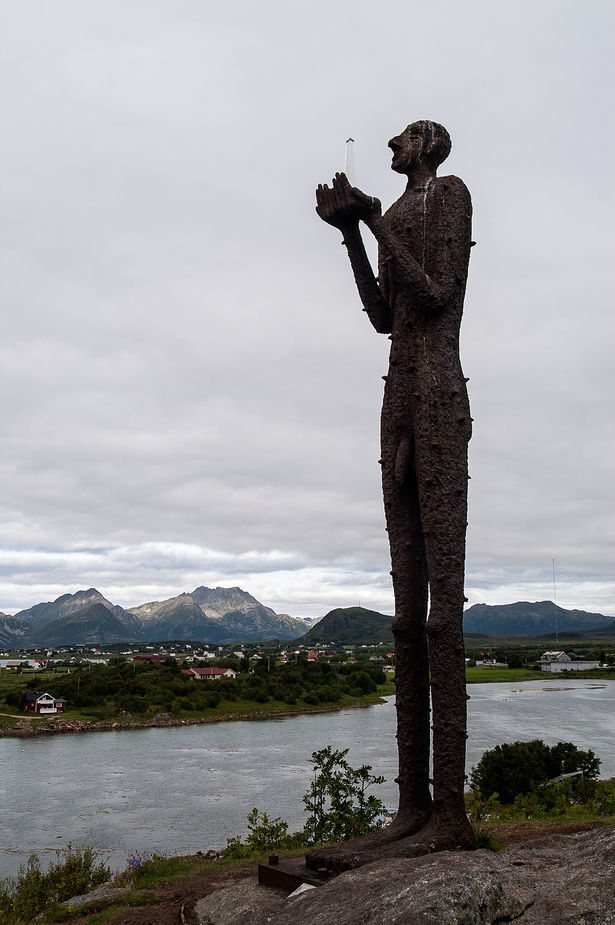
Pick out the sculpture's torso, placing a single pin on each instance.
(434, 224)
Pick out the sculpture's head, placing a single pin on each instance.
(420, 144)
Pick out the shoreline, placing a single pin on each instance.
(24, 729)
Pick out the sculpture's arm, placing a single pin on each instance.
(434, 291)
(377, 308)
(341, 208)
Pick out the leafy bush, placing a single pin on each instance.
(512, 769)
(337, 802)
(311, 698)
(574, 799)
(74, 872)
(515, 660)
(338, 805)
(265, 834)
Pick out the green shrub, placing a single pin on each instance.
(515, 660)
(32, 891)
(265, 834)
(362, 681)
(337, 803)
(510, 770)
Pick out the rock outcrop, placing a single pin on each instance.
(559, 880)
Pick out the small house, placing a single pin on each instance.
(209, 674)
(559, 661)
(41, 702)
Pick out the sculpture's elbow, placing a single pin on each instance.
(380, 320)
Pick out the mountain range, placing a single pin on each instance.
(356, 625)
(219, 616)
(526, 619)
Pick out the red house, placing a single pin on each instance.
(41, 702)
(213, 674)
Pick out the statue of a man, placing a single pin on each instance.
(417, 298)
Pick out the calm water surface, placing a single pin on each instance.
(187, 788)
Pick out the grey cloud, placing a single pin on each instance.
(182, 353)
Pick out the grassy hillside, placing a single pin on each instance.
(351, 626)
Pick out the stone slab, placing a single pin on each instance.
(559, 880)
(101, 892)
(242, 900)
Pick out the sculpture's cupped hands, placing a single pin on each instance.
(343, 205)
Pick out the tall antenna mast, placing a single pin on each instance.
(555, 606)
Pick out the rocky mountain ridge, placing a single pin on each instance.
(227, 615)
(208, 615)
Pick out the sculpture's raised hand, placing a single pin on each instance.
(343, 205)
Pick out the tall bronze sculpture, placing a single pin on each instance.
(424, 249)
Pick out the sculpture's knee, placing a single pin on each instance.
(402, 460)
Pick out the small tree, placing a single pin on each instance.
(515, 660)
(337, 802)
(511, 769)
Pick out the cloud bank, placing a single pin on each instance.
(191, 392)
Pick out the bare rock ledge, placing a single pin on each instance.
(559, 880)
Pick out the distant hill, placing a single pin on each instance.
(93, 624)
(216, 615)
(350, 626)
(13, 630)
(608, 630)
(526, 619)
(208, 615)
(66, 604)
(180, 618)
(216, 602)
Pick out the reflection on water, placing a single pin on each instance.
(187, 788)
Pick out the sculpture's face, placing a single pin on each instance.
(407, 148)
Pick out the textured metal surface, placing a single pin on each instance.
(417, 299)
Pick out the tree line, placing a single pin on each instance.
(160, 686)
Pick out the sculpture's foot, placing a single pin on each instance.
(331, 856)
(435, 836)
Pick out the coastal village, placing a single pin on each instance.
(215, 664)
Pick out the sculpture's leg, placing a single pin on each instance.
(409, 569)
(443, 479)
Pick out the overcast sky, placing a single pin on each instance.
(191, 393)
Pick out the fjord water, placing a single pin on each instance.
(182, 789)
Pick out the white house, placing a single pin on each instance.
(559, 661)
